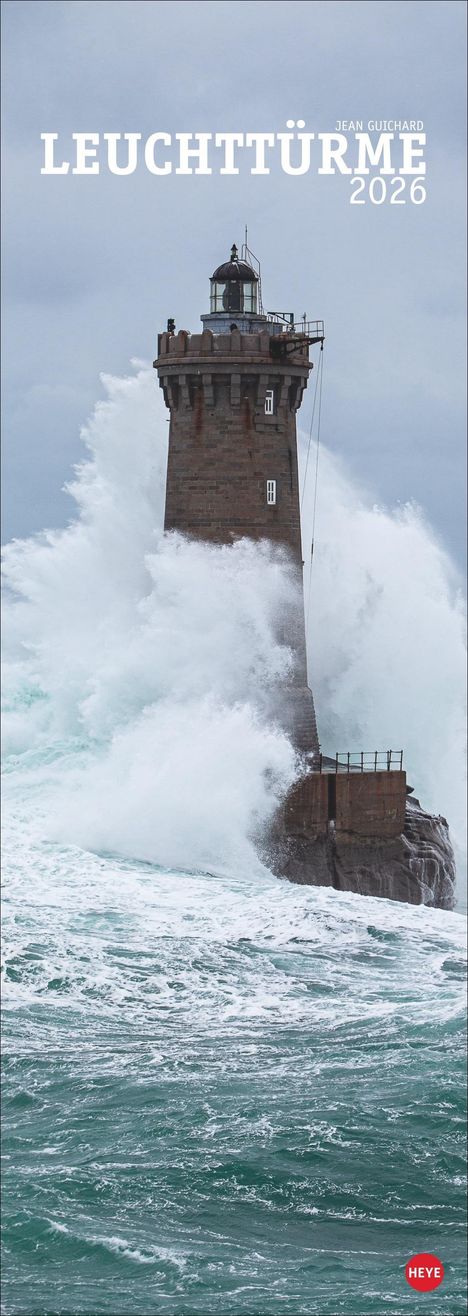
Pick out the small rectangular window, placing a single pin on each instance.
(250, 297)
(269, 402)
(271, 493)
(217, 297)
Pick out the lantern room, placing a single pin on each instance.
(234, 288)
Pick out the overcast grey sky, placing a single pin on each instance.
(94, 266)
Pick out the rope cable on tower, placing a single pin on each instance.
(311, 427)
(318, 394)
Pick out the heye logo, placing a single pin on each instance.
(424, 1272)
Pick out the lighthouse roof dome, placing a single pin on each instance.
(235, 269)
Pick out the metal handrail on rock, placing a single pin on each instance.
(389, 760)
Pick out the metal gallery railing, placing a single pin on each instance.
(389, 760)
(303, 328)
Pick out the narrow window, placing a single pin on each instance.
(218, 291)
(269, 401)
(250, 297)
(271, 493)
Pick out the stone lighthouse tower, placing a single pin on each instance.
(233, 392)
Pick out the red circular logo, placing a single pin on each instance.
(424, 1272)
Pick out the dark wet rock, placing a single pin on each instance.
(416, 867)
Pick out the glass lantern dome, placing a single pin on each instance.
(234, 288)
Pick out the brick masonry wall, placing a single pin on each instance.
(224, 447)
(219, 464)
(306, 807)
(370, 804)
(360, 805)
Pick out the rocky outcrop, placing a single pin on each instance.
(430, 855)
(417, 866)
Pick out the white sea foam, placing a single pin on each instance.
(149, 1257)
(156, 951)
(153, 655)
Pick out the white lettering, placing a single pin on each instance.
(230, 140)
(150, 161)
(132, 152)
(411, 152)
(85, 152)
(187, 153)
(305, 139)
(335, 153)
(373, 153)
(49, 166)
(260, 141)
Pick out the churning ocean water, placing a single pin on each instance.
(223, 1093)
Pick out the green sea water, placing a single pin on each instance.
(223, 1093)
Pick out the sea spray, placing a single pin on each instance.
(386, 623)
(223, 1092)
(158, 653)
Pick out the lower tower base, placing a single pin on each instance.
(403, 855)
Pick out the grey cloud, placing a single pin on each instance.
(93, 267)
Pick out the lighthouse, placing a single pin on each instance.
(233, 392)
